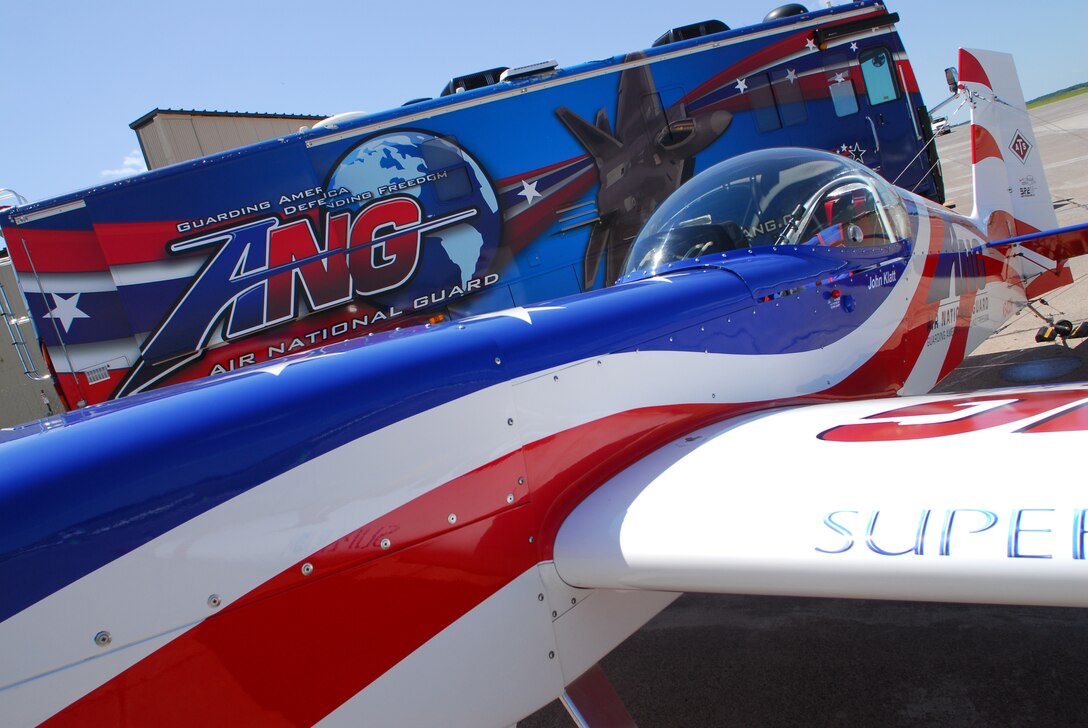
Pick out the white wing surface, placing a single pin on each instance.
(975, 498)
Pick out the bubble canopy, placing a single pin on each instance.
(781, 196)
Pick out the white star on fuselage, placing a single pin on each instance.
(742, 85)
(520, 313)
(838, 78)
(854, 47)
(528, 191)
(66, 310)
(791, 75)
(810, 44)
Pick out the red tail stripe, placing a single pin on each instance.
(983, 145)
(971, 70)
(957, 348)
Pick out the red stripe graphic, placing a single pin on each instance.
(783, 48)
(88, 251)
(517, 178)
(887, 370)
(138, 242)
(55, 251)
(971, 70)
(908, 74)
(899, 425)
(284, 655)
(957, 348)
(1071, 420)
(288, 655)
(76, 389)
(524, 227)
(983, 145)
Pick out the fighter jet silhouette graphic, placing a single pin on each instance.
(648, 156)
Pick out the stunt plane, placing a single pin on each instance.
(451, 524)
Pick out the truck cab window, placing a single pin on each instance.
(877, 70)
(787, 92)
(763, 103)
(843, 95)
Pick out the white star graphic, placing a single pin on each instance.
(528, 191)
(857, 153)
(66, 310)
(854, 47)
(791, 75)
(838, 78)
(274, 369)
(844, 149)
(520, 313)
(810, 44)
(742, 85)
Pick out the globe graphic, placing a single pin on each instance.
(450, 256)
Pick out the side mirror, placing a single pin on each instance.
(953, 79)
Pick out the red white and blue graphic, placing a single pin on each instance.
(525, 190)
(451, 524)
(398, 208)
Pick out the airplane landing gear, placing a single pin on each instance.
(1058, 329)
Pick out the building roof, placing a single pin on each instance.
(147, 118)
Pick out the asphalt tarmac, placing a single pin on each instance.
(774, 661)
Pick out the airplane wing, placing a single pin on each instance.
(936, 498)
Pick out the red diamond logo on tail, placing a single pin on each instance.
(1020, 146)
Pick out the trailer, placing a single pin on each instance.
(513, 186)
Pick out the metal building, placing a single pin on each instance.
(169, 136)
(26, 392)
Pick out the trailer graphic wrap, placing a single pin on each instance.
(649, 154)
(403, 222)
(522, 191)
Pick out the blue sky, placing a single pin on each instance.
(77, 73)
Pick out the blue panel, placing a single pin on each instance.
(79, 318)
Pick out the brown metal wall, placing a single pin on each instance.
(20, 396)
(172, 137)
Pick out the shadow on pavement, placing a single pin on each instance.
(1038, 364)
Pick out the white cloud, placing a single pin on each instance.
(133, 163)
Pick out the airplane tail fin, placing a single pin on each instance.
(1012, 196)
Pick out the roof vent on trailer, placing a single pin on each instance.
(533, 69)
(471, 81)
(335, 121)
(785, 11)
(687, 32)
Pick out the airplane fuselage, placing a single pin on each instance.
(304, 528)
